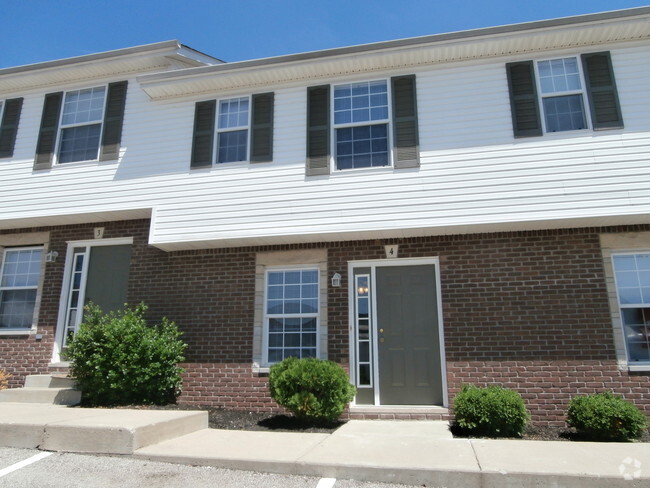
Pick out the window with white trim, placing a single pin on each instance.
(632, 277)
(232, 130)
(361, 123)
(81, 125)
(19, 278)
(562, 94)
(291, 314)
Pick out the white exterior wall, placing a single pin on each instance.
(474, 175)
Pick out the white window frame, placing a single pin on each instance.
(388, 121)
(218, 131)
(582, 92)
(37, 288)
(642, 365)
(267, 316)
(61, 126)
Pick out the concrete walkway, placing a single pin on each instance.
(410, 452)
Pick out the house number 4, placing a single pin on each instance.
(391, 251)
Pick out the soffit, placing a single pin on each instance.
(407, 53)
(157, 57)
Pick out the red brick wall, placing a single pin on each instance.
(527, 310)
(547, 386)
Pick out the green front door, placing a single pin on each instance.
(409, 362)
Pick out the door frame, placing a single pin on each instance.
(373, 265)
(65, 288)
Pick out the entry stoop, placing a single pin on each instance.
(44, 388)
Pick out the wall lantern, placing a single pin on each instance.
(336, 280)
(51, 256)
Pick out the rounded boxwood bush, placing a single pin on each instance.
(490, 412)
(117, 359)
(606, 417)
(312, 389)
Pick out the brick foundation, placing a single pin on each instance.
(527, 310)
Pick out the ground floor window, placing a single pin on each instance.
(19, 277)
(632, 276)
(291, 313)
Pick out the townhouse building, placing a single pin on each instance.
(470, 207)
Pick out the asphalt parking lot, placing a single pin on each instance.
(27, 468)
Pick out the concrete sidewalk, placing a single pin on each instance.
(410, 452)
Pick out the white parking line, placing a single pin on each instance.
(326, 483)
(26, 462)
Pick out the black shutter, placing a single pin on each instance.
(48, 132)
(405, 122)
(523, 99)
(9, 126)
(318, 130)
(113, 120)
(203, 138)
(601, 91)
(262, 128)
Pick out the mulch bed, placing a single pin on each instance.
(219, 418)
(547, 433)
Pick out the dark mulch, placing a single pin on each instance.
(219, 418)
(545, 433)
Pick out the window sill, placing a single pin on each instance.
(638, 367)
(60, 364)
(17, 332)
(261, 370)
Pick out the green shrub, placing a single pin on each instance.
(606, 417)
(117, 359)
(490, 412)
(312, 389)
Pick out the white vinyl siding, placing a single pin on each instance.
(473, 175)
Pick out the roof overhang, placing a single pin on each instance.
(79, 218)
(160, 56)
(509, 40)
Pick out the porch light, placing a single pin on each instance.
(51, 256)
(336, 280)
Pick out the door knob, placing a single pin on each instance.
(381, 331)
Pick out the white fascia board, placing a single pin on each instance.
(403, 233)
(162, 56)
(511, 40)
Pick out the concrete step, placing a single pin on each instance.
(96, 430)
(52, 396)
(49, 381)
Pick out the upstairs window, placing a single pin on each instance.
(563, 94)
(364, 125)
(243, 131)
(81, 124)
(361, 125)
(232, 130)
(19, 277)
(561, 90)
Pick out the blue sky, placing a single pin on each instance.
(41, 30)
